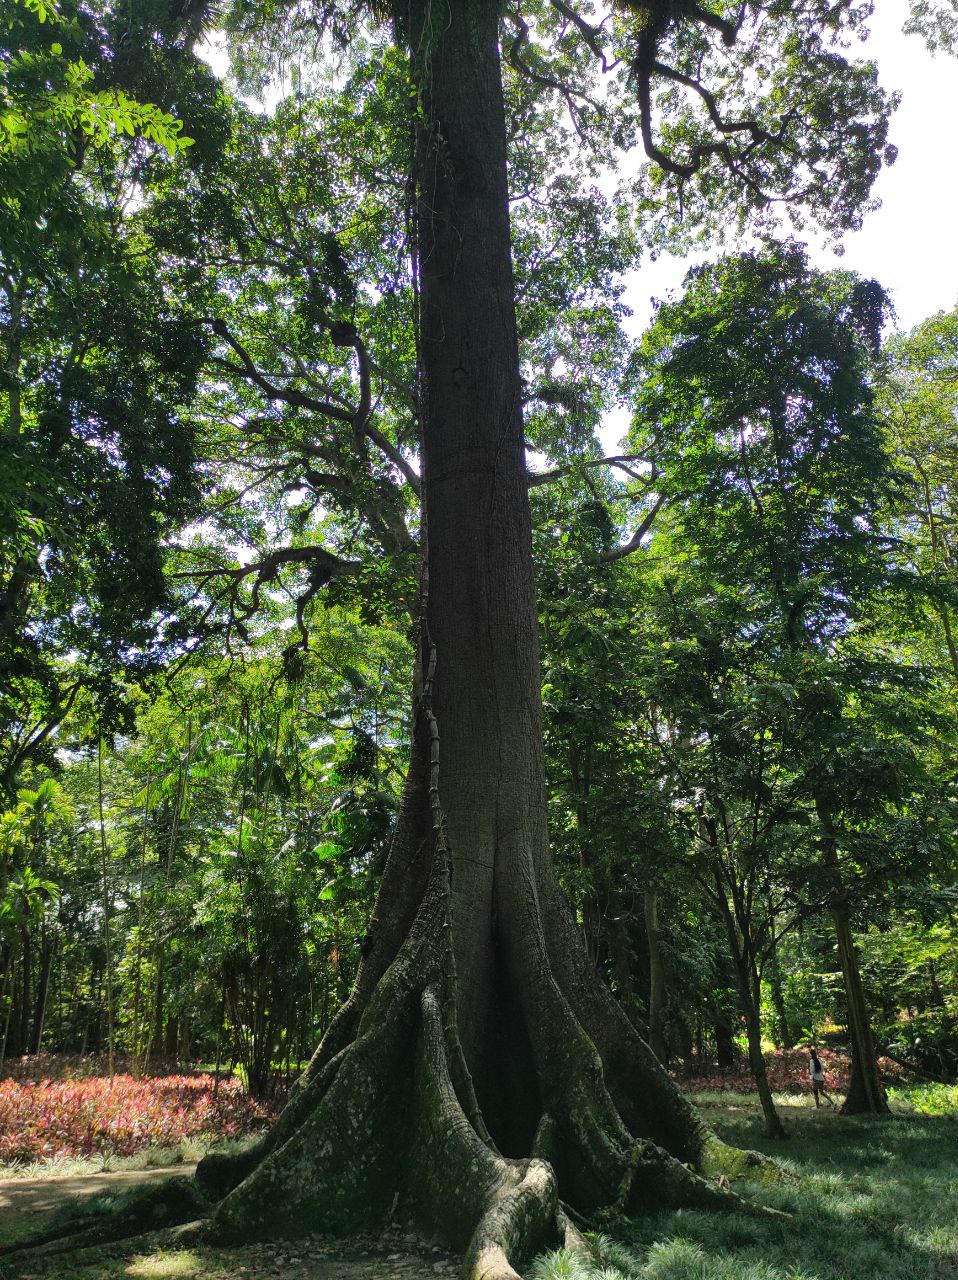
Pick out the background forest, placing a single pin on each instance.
(209, 574)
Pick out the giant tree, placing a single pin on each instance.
(480, 1069)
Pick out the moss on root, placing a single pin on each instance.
(723, 1162)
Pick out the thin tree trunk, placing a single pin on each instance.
(620, 948)
(749, 989)
(656, 977)
(105, 898)
(9, 982)
(219, 1038)
(756, 1062)
(140, 1041)
(581, 771)
(865, 1095)
(26, 988)
(724, 1046)
(159, 1005)
(773, 970)
(47, 951)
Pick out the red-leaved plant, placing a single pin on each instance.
(99, 1116)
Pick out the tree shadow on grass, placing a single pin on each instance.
(877, 1198)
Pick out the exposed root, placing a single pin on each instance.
(570, 1235)
(219, 1172)
(522, 1216)
(459, 1185)
(719, 1160)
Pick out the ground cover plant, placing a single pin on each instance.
(868, 1197)
(787, 1071)
(57, 1120)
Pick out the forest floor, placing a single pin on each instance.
(873, 1198)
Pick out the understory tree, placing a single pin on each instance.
(480, 1069)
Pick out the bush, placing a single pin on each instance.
(929, 1039)
(927, 1099)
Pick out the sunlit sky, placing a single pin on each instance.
(909, 244)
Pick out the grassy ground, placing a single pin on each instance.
(875, 1199)
(872, 1199)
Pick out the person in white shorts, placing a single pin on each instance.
(816, 1074)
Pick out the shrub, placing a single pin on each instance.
(98, 1116)
(927, 1099)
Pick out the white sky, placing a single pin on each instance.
(909, 244)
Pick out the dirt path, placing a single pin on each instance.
(25, 1204)
(30, 1197)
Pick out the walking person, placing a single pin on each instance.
(816, 1074)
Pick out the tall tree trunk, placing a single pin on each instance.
(656, 977)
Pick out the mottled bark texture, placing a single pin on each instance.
(480, 1070)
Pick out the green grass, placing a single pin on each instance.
(79, 1166)
(877, 1199)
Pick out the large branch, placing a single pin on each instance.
(285, 395)
(359, 418)
(647, 65)
(621, 461)
(324, 566)
(633, 544)
(591, 36)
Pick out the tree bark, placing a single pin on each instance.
(47, 951)
(26, 989)
(749, 988)
(593, 915)
(724, 1046)
(865, 1095)
(785, 1036)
